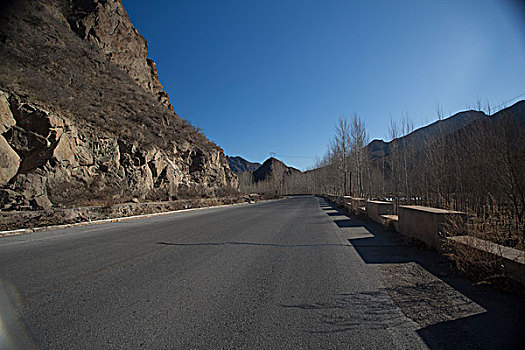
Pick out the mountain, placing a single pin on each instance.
(83, 116)
(515, 114)
(273, 166)
(239, 164)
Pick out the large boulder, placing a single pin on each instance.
(9, 162)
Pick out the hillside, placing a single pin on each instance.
(271, 167)
(458, 123)
(238, 164)
(419, 137)
(83, 116)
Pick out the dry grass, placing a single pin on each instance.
(483, 233)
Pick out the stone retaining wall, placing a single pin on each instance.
(425, 223)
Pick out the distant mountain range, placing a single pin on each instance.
(240, 165)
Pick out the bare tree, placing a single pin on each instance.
(358, 140)
(407, 126)
(393, 131)
(340, 148)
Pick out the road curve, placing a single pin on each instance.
(286, 274)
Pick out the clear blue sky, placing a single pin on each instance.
(275, 75)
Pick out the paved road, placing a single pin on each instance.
(274, 275)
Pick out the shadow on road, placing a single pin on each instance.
(342, 223)
(334, 214)
(451, 312)
(255, 244)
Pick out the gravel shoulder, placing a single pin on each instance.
(450, 311)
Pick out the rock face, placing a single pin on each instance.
(83, 117)
(9, 162)
(239, 164)
(9, 159)
(6, 117)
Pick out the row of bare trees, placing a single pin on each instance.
(344, 169)
(479, 169)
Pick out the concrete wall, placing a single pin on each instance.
(375, 209)
(351, 204)
(337, 200)
(348, 204)
(358, 203)
(425, 223)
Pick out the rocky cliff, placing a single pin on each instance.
(83, 116)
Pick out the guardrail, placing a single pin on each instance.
(427, 224)
(375, 209)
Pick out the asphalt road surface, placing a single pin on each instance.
(287, 274)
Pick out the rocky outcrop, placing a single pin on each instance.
(83, 118)
(56, 162)
(9, 162)
(6, 117)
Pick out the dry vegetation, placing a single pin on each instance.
(476, 263)
(272, 187)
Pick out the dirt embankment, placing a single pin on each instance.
(31, 219)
